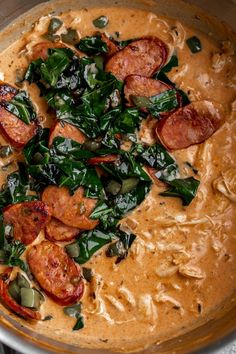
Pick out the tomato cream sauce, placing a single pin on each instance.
(181, 267)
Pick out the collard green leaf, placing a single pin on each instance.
(63, 146)
(101, 22)
(48, 174)
(185, 189)
(58, 60)
(16, 188)
(156, 156)
(38, 144)
(90, 242)
(163, 102)
(128, 121)
(11, 251)
(161, 75)
(75, 174)
(172, 63)
(21, 106)
(123, 203)
(70, 37)
(75, 311)
(126, 167)
(54, 25)
(194, 44)
(121, 246)
(123, 44)
(79, 323)
(93, 45)
(32, 73)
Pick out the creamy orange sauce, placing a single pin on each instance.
(181, 267)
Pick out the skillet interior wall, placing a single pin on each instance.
(185, 14)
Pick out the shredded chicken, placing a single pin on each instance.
(220, 59)
(226, 184)
(166, 270)
(191, 271)
(147, 307)
(128, 295)
(116, 303)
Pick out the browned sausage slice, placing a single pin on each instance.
(40, 50)
(11, 303)
(13, 129)
(27, 219)
(57, 231)
(142, 57)
(112, 47)
(66, 131)
(136, 85)
(72, 210)
(189, 125)
(56, 272)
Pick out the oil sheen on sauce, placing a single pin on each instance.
(181, 267)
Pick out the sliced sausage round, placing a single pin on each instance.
(66, 130)
(142, 57)
(136, 85)
(14, 130)
(72, 210)
(189, 125)
(40, 50)
(27, 219)
(56, 230)
(56, 272)
(11, 303)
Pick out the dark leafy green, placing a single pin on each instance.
(90, 242)
(194, 44)
(37, 145)
(62, 146)
(101, 22)
(185, 189)
(163, 102)
(121, 247)
(17, 188)
(172, 63)
(10, 250)
(87, 274)
(54, 25)
(21, 106)
(161, 75)
(128, 121)
(93, 45)
(126, 167)
(79, 323)
(58, 60)
(123, 44)
(70, 37)
(156, 156)
(123, 203)
(75, 311)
